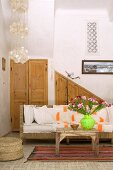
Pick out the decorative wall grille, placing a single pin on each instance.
(92, 47)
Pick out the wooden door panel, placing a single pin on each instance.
(38, 82)
(20, 95)
(19, 73)
(39, 93)
(18, 91)
(60, 89)
(83, 92)
(72, 90)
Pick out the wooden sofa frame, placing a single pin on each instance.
(23, 136)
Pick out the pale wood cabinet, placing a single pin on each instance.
(65, 89)
(60, 89)
(38, 82)
(28, 85)
(18, 90)
(73, 90)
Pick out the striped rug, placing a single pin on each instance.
(71, 153)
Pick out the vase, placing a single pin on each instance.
(87, 122)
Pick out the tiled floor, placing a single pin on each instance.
(38, 165)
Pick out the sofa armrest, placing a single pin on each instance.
(21, 120)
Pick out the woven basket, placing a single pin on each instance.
(10, 148)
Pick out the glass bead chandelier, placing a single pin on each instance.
(19, 31)
(19, 5)
(19, 55)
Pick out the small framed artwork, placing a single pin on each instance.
(3, 63)
(97, 66)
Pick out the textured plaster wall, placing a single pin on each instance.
(4, 82)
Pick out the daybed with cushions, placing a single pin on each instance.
(40, 122)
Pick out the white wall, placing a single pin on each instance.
(111, 11)
(70, 47)
(41, 27)
(41, 36)
(4, 82)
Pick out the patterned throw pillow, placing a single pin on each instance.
(60, 117)
(101, 116)
(76, 117)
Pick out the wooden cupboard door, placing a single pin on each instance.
(60, 89)
(18, 91)
(38, 81)
(84, 92)
(72, 90)
(87, 93)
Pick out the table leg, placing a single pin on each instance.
(95, 144)
(57, 143)
(67, 140)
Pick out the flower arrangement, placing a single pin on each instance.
(86, 106)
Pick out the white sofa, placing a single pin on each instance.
(38, 122)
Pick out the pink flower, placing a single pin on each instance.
(83, 97)
(85, 105)
(92, 100)
(109, 105)
(105, 103)
(80, 105)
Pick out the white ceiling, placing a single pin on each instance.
(41, 20)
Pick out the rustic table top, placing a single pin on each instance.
(79, 130)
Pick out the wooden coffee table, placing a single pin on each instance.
(61, 133)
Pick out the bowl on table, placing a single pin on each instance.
(74, 126)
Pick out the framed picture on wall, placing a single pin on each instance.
(3, 63)
(97, 66)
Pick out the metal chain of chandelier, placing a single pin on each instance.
(18, 30)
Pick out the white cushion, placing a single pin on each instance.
(78, 117)
(36, 128)
(64, 108)
(59, 106)
(41, 116)
(103, 113)
(28, 114)
(96, 118)
(110, 113)
(107, 127)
